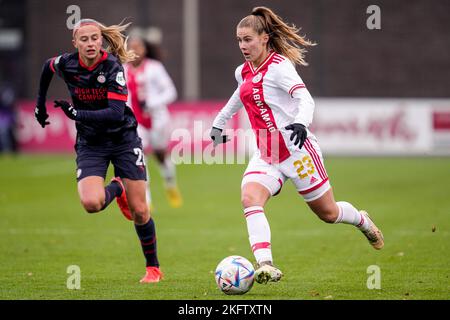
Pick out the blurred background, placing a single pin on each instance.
(407, 58)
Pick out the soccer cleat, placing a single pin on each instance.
(122, 201)
(267, 272)
(374, 234)
(174, 197)
(152, 274)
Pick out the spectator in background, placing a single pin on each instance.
(151, 90)
(8, 141)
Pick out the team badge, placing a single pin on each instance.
(101, 78)
(57, 60)
(257, 78)
(120, 79)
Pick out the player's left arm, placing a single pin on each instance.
(289, 80)
(114, 112)
(117, 96)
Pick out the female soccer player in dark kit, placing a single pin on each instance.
(106, 128)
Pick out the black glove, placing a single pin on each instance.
(217, 137)
(299, 131)
(68, 109)
(40, 113)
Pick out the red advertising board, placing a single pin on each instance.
(60, 135)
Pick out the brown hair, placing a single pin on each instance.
(116, 40)
(283, 38)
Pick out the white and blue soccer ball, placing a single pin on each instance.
(235, 275)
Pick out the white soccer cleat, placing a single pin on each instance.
(266, 273)
(374, 234)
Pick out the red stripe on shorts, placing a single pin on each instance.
(262, 172)
(317, 186)
(316, 159)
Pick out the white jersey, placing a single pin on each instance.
(154, 89)
(274, 96)
(150, 91)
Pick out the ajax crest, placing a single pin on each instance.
(257, 78)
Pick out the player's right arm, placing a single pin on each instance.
(50, 67)
(228, 111)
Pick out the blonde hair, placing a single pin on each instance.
(114, 36)
(283, 38)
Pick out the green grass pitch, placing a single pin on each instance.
(43, 230)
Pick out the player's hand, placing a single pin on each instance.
(68, 109)
(40, 113)
(299, 133)
(217, 137)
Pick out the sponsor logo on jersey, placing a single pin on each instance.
(120, 79)
(90, 94)
(264, 112)
(257, 78)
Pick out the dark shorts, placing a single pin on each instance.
(126, 156)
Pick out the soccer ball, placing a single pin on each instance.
(234, 275)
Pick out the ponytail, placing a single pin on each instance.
(283, 38)
(113, 35)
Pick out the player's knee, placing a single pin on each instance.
(140, 213)
(92, 205)
(328, 214)
(249, 200)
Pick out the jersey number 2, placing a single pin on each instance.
(140, 156)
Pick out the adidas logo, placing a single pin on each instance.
(313, 179)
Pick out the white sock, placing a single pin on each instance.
(259, 233)
(168, 172)
(350, 215)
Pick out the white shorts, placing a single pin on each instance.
(304, 168)
(158, 136)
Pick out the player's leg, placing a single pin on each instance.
(331, 211)
(92, 164)
(306, 170)
(145, 228)
(259, 183)
(168, 172)
(129, 165)
(92, 193)
(144, 134)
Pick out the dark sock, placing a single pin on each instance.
(147, 235)
(112, 191)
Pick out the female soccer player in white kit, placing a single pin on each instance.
(280, 110)
(151, 90)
